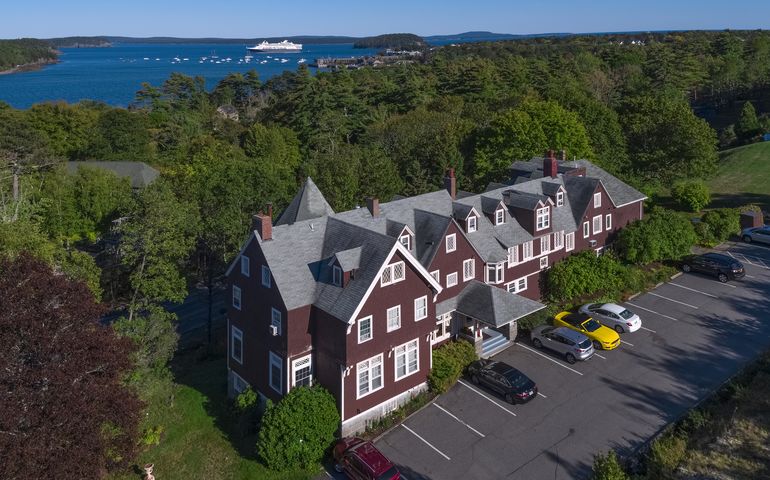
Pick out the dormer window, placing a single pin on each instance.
(543, 218)
(499, 216)
(406, 241)
(597, 199)
(472, 224)
(559, 199)
(337, 275)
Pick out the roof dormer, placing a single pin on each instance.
(466, 216)
(406, 238)
(343, 266)
(494, 209)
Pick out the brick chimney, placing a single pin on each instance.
(373, 204)
(550, 165)
(450, 183)
(263, 224)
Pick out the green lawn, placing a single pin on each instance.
(200, 439)
(743, 177)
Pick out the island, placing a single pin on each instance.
(80, 42)
(25, 54)
(395, 41)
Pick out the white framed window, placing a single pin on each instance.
(518, 285)
(236, 297)
(337, 275)
(513, 255)
(420, 308)
(394, 318)
(569, 241)
(608, 221)
(499, 216)
(543, 262)
(276, 373)
(239, 384)
(406, 241)
(472, 223)
(526, 250)
(443, 328)
(369, 376)
(436, 276)
(275, 320)
(364, 329)
(407, 359)
(545, 244)
(495, 273)
(236, 344)
(266, 276)
(559, 199)
(393, 273)
(451, 243)
(245, 266)
(543, 218)
(469, 269)
(597, 199)
(597, 221)
(451, 279)
(302, 372)
(586, 230)
(558, 240)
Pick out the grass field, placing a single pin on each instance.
(743, 177)
(200, 435)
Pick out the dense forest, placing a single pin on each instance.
(14, 53)
(624, 102)
(404, 41)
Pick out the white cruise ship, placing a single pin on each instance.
(284, 46)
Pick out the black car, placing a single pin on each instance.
(503, 379)
(721, 266)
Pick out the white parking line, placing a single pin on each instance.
(548, 358)
(488, 398)
(426, 442)
(747, 276)
(672, 300)
(692, 290)
(462, 422)
(626, 343)
(652, 311)
(746, 259)
(648, 329)
(541, 395)
(600, 356)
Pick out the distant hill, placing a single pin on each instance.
(25, 53)
(406, 41)
(305, 39)
(79, 42)
(487, 36)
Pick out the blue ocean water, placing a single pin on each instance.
(113, 75)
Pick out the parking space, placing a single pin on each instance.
(696, 333)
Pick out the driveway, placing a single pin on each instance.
(697, 333)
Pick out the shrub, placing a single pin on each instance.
(663, 235)
(665, 455)
(722, 223)
(584, 274)
(151, 435)
(297, 430)
(449, 362)
(541, 317)
(246, 400)
(691, 194)
(607, 467)
(247, 409)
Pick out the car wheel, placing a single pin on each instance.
(686, 268)
(475, 379)
(747, 238)
(338, 468)
(597, 345)
(619, 329)
(722, 278)
(537, 343)
(508, 398)
(571, 358)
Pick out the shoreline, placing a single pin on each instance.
(29, 67)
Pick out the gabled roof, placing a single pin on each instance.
(308, 203)
(138, 173)
(461, 211)
(490, 205)
(524, 200)
(349, 259)
(580, 191)
(489, 304)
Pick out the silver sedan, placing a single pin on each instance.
(614, 316)
(756, 234)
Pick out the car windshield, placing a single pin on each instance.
(390, 473)
(517, 380)
(591, 325)
(626, 314)
(585, 344)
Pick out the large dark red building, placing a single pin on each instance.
(357, 300)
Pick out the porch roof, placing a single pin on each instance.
(489, 304)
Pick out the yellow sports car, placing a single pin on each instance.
(603, 338)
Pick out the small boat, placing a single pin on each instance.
(302, 60)
(185, 59)
(263, 62)
(284, 60)
(146, 58)
(157, 59)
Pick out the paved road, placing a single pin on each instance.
(697, 333)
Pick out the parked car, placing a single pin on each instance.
(618, 318)
(361, 460)
(721, 266)
(602, 337)
(756, 234)
(503, 379)
(573, 345)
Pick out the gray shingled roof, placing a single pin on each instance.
(349, 259)
(525, 200)
(139, 173)
(580, 191)
(308, 203)
(492, 305)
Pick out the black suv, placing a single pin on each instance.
(503, 379)
(721, 266)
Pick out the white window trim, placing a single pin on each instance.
(559, 199)
(499, 216)
(558, 240)
(238, 379)
(545, 241)
(417, 316)
(472, 224)
(513, 256)
(266, 282)
(397, 308)
(527, 248)
(569, 242)
(544, 214)
(543, 262)
(472, 263)
(586, 230)
(237, 294)
(369, 369)
(336, 275)
(597, 220)
(294, 363)
(408, 244)
(371, 329)
(236, 332)
(436, 274)
(451, 279)
(416, 342)
(245, 266)
(499, 273)
(608, 221)
(275, 360)
(279, 323)
(597, 199)
(393, 279)
(453, 236)
(515, 285)
(446, 320)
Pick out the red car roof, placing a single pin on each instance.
(369, 455)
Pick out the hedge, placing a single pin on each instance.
(449, 362)
(662, 235)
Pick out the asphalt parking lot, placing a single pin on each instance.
(697, 333)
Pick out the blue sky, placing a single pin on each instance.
(258, 18)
